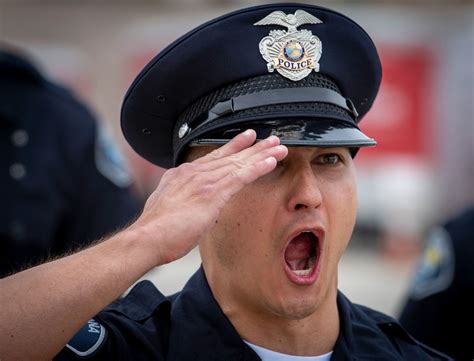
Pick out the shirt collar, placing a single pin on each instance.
(198, 322)
(360, 336)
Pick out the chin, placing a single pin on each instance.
(296, 308)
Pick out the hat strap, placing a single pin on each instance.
(276, 96)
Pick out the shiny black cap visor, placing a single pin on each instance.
(292, 132)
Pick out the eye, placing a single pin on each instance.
(330, 159)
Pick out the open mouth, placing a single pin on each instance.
(302, 256)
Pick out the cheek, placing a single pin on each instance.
(238, 236)
(349, 206)
(342, 210)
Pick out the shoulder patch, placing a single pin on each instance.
(436, 267)
(109, 160)
(88, 339)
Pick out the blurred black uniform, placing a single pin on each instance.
(442, 295)
(62, 182)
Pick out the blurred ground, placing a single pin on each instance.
(366, 277)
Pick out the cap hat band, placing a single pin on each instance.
(272, 97)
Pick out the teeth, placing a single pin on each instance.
(308, 267)
(304, 272)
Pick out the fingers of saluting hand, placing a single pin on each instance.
(238, 177)
(235, 170)
(248, 160)
(239, 153)
(238, 143)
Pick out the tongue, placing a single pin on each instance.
(298, 251)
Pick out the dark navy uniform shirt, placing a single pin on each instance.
(62, 183)
(442, 296)
(190, 325)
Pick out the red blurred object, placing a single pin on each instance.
(401, 118)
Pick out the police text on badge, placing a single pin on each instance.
(293, 53)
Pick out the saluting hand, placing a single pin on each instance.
(189, 198)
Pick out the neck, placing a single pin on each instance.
(315, 334)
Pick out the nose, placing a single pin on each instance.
(305, 193)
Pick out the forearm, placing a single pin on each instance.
(43, 307)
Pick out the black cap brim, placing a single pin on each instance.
(292, 132)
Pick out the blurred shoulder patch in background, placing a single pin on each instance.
(109, 160)
(436, 268)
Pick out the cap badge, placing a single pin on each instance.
(293, 53)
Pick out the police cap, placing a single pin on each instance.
(302, 72)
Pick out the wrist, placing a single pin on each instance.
(142, 242)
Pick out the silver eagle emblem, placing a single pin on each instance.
(293, 53)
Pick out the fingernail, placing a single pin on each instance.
(247, 132)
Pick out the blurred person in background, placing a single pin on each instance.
(63, 183)
(257, 119)
(441, 298)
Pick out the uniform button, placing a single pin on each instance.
(17, 171)
(20, 138)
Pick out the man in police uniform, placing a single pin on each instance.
(272, 218)
(63, 183)
(442, 292)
